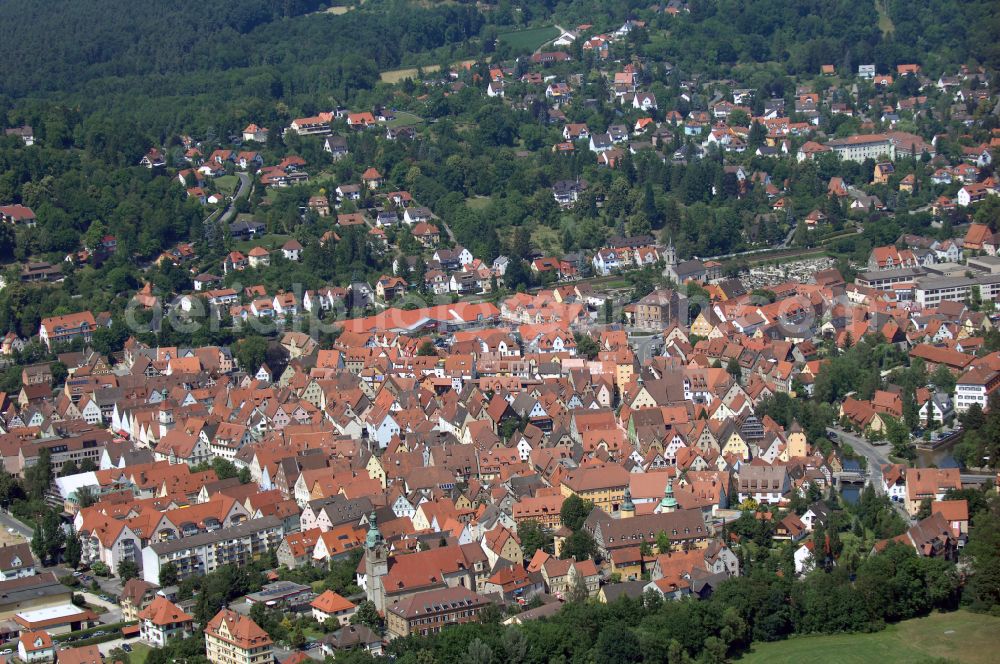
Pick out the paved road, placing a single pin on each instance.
(561, 33)
(876, 457)
(242, 191)
(646, 345)
(8, 521)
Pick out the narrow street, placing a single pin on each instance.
(876, 459)
(561, 33)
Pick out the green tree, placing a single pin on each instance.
(924, 510)
(250, 352)
(168, 575)
(574, 512)
(53, 534)
(578, 591)
(366, 614)
(579, 545)
(982, 592)
(899, 437)
(38, 546)
(617, 644)
(74, 549)
(586, 346)
(85, 496)
(127, 569)
(943, 379)
(533, 537)
(38, 477)
(662, 542)
(479, 652)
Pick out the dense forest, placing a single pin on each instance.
(204, 63)
(102, 87)
(164, 68)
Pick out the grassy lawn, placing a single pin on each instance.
(959, 636)
(478, 202)
(227, 184)
(547, 240)
(529, 40)
(140, 651)
(270, 241)
(404, 119)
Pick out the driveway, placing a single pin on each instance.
(108, 646)
(561, 33)
(242, 191)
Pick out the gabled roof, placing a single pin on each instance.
(162, 612)
(241, 631)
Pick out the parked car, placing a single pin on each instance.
(126, 647)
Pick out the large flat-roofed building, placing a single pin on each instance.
(987, 264)
(57, 619)
(205, 552)
(886, 279)
(929, 291)
(32, 592)
(281, 593)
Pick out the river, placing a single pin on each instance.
(940, 457)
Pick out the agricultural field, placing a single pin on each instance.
(397, 75)
(529, 40)
(959, 636)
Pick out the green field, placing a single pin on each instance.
(227, 184)
(959, 636)
(547, 240)
(529, 40)
(271, 241)
(478, 202)
(140, 651)
(397, 75)
(404, 119)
